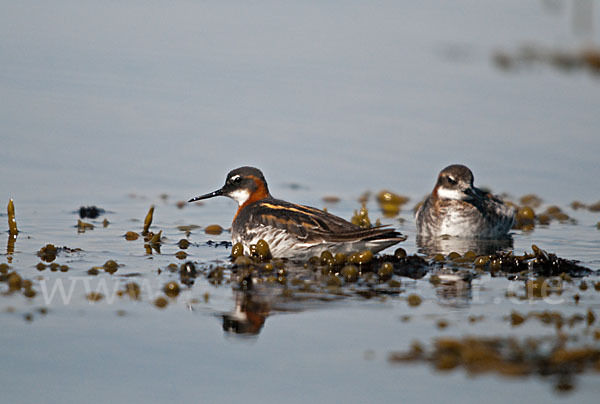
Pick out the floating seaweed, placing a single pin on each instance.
(565, 60)
(148, 220)
(132, 289)
(539, 263)
(331, 199)
(49, 252)
(526, 218)
(505, 356)
(12, 222)
(94, 296)
(161, 302)
(171, 289)
(552, 318)
(213, 229)
(391, 203)
(531, 200)
(111, 266)
(153, 241)
(361, 217)
(83, 226)
(595, 207)
(131, 235)
(154, 238)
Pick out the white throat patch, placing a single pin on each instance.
(445, 193)
(240, 196)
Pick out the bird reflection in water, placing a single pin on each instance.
(453, 288)
(248, 317)
(254, 304)
(453, 285)
(446, 244)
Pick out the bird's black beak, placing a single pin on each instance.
(218, 192)
(471, 194)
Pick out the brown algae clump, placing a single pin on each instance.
(331, 199)
(339, 259)
(400, 253)
(386, 196)
(361, 258)
(503, 356)
(556, 213)
(385, 271)
(48, 253)
(154, 239)
(29, 293)
(237, 250)
(94, 296)
(94, 271)
(14, 281)
(414, 300)
(83, 226)
(171, 289)
(595, 207)
(131, 235)
(438, 258)
(4, 268)
(390, 203)
(516, 318)
(442, 324)
(213, 229)
(111, 266)
(262, 250)
(576, 205)
(326, 258)
(349, 273)
(242, 261)
(531, 200)
(361, 217)
(187, 227)
(453, 256)
(133, 290)
(525, 219)
(161, 302)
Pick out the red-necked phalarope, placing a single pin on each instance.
(292, 230)
(457, 208)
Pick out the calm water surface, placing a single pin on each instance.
(115, 104)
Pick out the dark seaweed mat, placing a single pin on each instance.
(91, 212)
(218, 244)
(540, 263)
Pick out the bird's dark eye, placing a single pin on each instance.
(451, 180)
(236, 180)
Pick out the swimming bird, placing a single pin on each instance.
(457, 208)
(292, 230)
